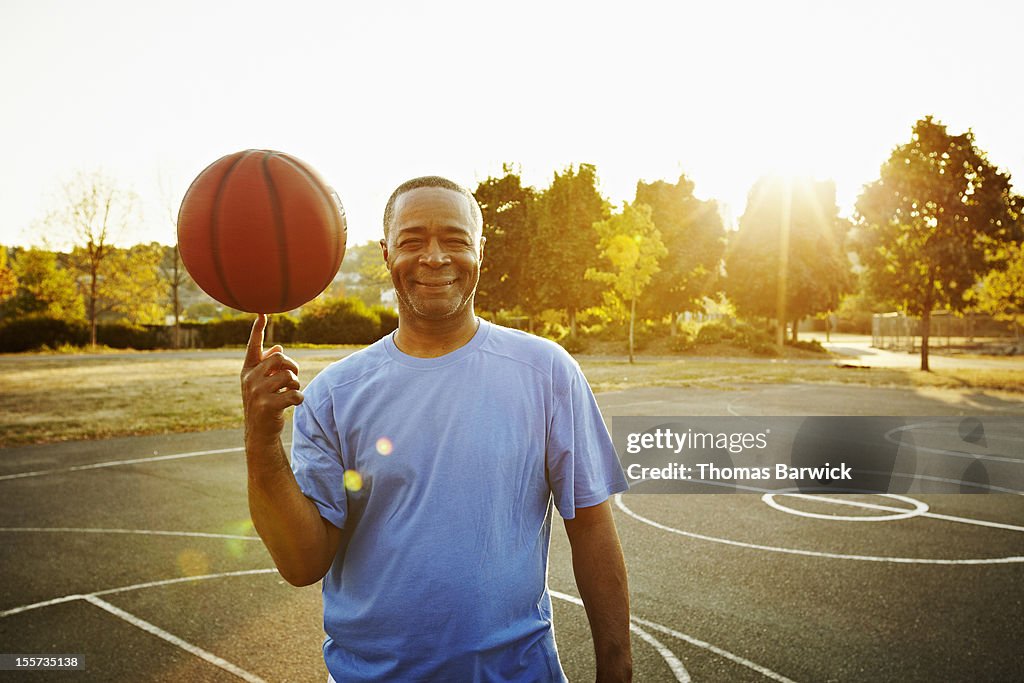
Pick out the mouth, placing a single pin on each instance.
(436, 284)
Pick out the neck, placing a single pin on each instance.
(433, 338)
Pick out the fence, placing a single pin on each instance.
(967, 332)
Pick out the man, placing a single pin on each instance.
(424, 472)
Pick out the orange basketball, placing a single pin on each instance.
(260, 231)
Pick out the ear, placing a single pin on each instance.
(483, 240)
(384, 253)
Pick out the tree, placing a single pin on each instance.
(363, 273)
(788, 259)
(927, 222)
(92, 212)
(45, 287)
(1001, 292)
(175, 278)
(510, 227)
(8, 280)
(632, 245)
(127, 284)
(566, 244)
(694, 237)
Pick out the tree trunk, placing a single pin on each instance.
(92, 306)
(673, 324)
(796, 324)
(572, 322)
(632, 319)
(926, 323)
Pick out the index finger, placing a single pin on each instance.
(254, 351)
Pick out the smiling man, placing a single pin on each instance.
(424, 471)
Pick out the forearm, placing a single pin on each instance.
(600, 573)
(298, 539)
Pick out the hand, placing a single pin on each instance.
(270, 384)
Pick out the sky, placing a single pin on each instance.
(371, 94)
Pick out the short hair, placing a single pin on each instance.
(432, 181)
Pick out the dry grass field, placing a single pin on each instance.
(59, 397)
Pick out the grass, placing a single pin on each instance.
(48, 397)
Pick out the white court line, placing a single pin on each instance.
(943, 451)
(678, 670)
(143, 532)
(813, 553)
(174, 640)
(118, 463)
(925, 513)
(767, 673)
(133, 587)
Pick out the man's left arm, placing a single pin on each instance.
(600, 572)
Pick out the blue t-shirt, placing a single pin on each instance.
(441, 574)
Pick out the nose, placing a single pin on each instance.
(435, 254)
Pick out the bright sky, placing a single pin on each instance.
(374, 93)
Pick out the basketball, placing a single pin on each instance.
(260, 231)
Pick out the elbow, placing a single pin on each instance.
(301, 577)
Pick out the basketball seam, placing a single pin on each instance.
(218, 265)
(340, 230)
(282, 237)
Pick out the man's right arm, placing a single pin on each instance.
(302, 543)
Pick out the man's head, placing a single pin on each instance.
(433, 246)
(432, 181)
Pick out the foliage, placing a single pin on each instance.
(91, 213)
(927, 222)
(8, 280)
(790, 228)
(510, 216)
(231, 331)
(45, 288)
(1001, 292)
(128, 284)
(693, 235)
(741, 335)
(339, 321)
(632, 245)
(126, 336)
(36, 331)
(566, 244)
(363, 274)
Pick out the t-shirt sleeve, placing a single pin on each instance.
(583, 468)
(317, 460)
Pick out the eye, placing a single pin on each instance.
(409, 243)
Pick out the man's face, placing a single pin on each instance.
(433, 250)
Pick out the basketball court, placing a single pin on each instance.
(137, 554)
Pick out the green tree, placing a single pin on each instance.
(510, 228)
(926, 224)
(632, 245)
(45, 288)
(8, 280)
(363, 274)
(91, 213)
(566, 244)
(1000, 292)
(126, 285)
(695, 240)
(788, 259)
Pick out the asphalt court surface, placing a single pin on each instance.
(137, 554)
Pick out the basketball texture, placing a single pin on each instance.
(260, 231)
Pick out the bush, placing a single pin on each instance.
(388, 319)
(226, 332)
(126, 336)
(715, 332)
(339, 321)
(812, 345)
(574, 344)
(34, 332)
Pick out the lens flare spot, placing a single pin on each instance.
(384, 446)
(193, 562)
(353, 480)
